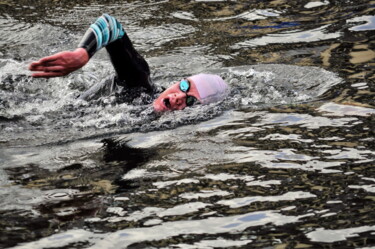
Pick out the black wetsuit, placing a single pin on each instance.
(132, 70)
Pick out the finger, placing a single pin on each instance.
(37, 64)
(48, 68)
(54, 69)
(50, 58)
(34, 65)
(48, 74)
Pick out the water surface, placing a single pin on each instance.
(286, 161)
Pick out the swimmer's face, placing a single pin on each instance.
(174, 98)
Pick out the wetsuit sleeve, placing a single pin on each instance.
(103, 31)
(131, 68)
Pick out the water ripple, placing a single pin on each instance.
(244, 201)
(296, 36)
(330, 235)
(369, 23)
(123, 238)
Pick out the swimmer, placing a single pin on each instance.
(132, 70)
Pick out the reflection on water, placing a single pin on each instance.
(339, 234)
(286, 161)
(130, 236)
(369, 23)
(313, 35)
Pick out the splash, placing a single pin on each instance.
(48, 111)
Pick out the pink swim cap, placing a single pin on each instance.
(211, 88)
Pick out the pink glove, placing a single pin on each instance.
(60, 64)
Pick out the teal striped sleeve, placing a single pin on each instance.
(103, 31)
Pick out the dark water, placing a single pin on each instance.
(286, 161)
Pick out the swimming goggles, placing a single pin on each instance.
(184, 87)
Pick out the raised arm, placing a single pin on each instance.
(104, 30)
(131, 69)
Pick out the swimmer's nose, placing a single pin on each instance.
(177, 99)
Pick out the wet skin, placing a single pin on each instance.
(59, 64)
(173, 98)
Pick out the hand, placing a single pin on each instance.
(60, 64)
